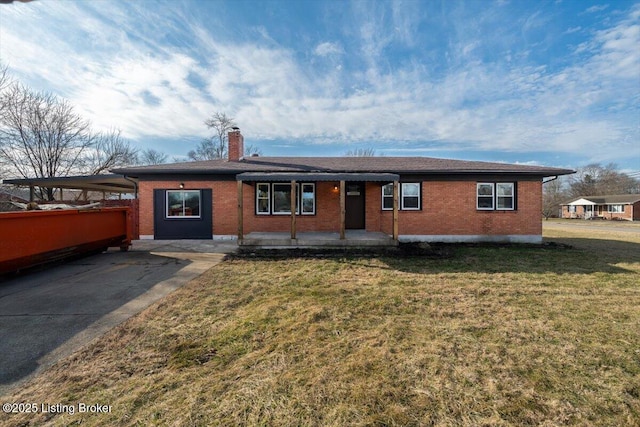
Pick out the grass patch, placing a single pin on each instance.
(505, 336)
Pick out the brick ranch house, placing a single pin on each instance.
(399, 198)
(617, 207)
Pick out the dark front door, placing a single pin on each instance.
(354, 205)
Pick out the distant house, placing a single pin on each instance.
(293, 200)
(620, 207)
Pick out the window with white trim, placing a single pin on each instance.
(308, 199)
(505, 196)
(615, 208)
(499, 196)
(282, 199)
(263, 198)
(275, 198)
(485, 196)
(183, 204)
(410, 197)
(387, 197)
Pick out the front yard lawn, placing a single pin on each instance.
(497, 336)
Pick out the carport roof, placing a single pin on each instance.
(113, 183)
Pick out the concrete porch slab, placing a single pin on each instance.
(353, 238)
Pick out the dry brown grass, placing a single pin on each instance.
(492, 336)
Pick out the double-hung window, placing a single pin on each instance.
(275, 198)
(498, 196)
(410, 197)
(308, 199)
(183, 204)
(615, 208)
(263, 199)
(387, 197)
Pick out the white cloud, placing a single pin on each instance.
(145, 87)
(328, 48)
(597, 8)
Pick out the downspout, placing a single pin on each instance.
(135, 186)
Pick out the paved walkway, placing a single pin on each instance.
(48, 314)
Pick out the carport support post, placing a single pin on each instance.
(240, 225)
(396, 187)
(293, 209)
(343, 210)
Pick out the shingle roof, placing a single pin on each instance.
(400, 165)
(617, 199)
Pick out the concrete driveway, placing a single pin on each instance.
(48, 314)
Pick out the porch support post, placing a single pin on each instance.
(343, 210)
(32, 193)
(293, 209)
(396, 188)
(240, 224)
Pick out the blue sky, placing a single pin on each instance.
(555, 83)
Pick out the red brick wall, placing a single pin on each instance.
(448, 208)
(224, 200)
(327, 217)
(630, 213)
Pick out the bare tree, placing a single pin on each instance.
(361, 152)
(251, 150)
(597, 180)
(215, 146)
(109, 150)
(152, 157)
(554, 193)
(41, 135)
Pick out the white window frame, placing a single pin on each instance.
(485, 196)
(402, 206)
(258, 198)
(183, 216)
(273, 195)
(512, 196)
(313, 197)
(390, 185)
(403, 196)
(615, 208)
(495, 197)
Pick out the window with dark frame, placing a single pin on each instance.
(183, 204)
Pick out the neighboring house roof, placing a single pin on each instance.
(618, 199)
(398, 165)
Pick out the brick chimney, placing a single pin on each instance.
(236, 145)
